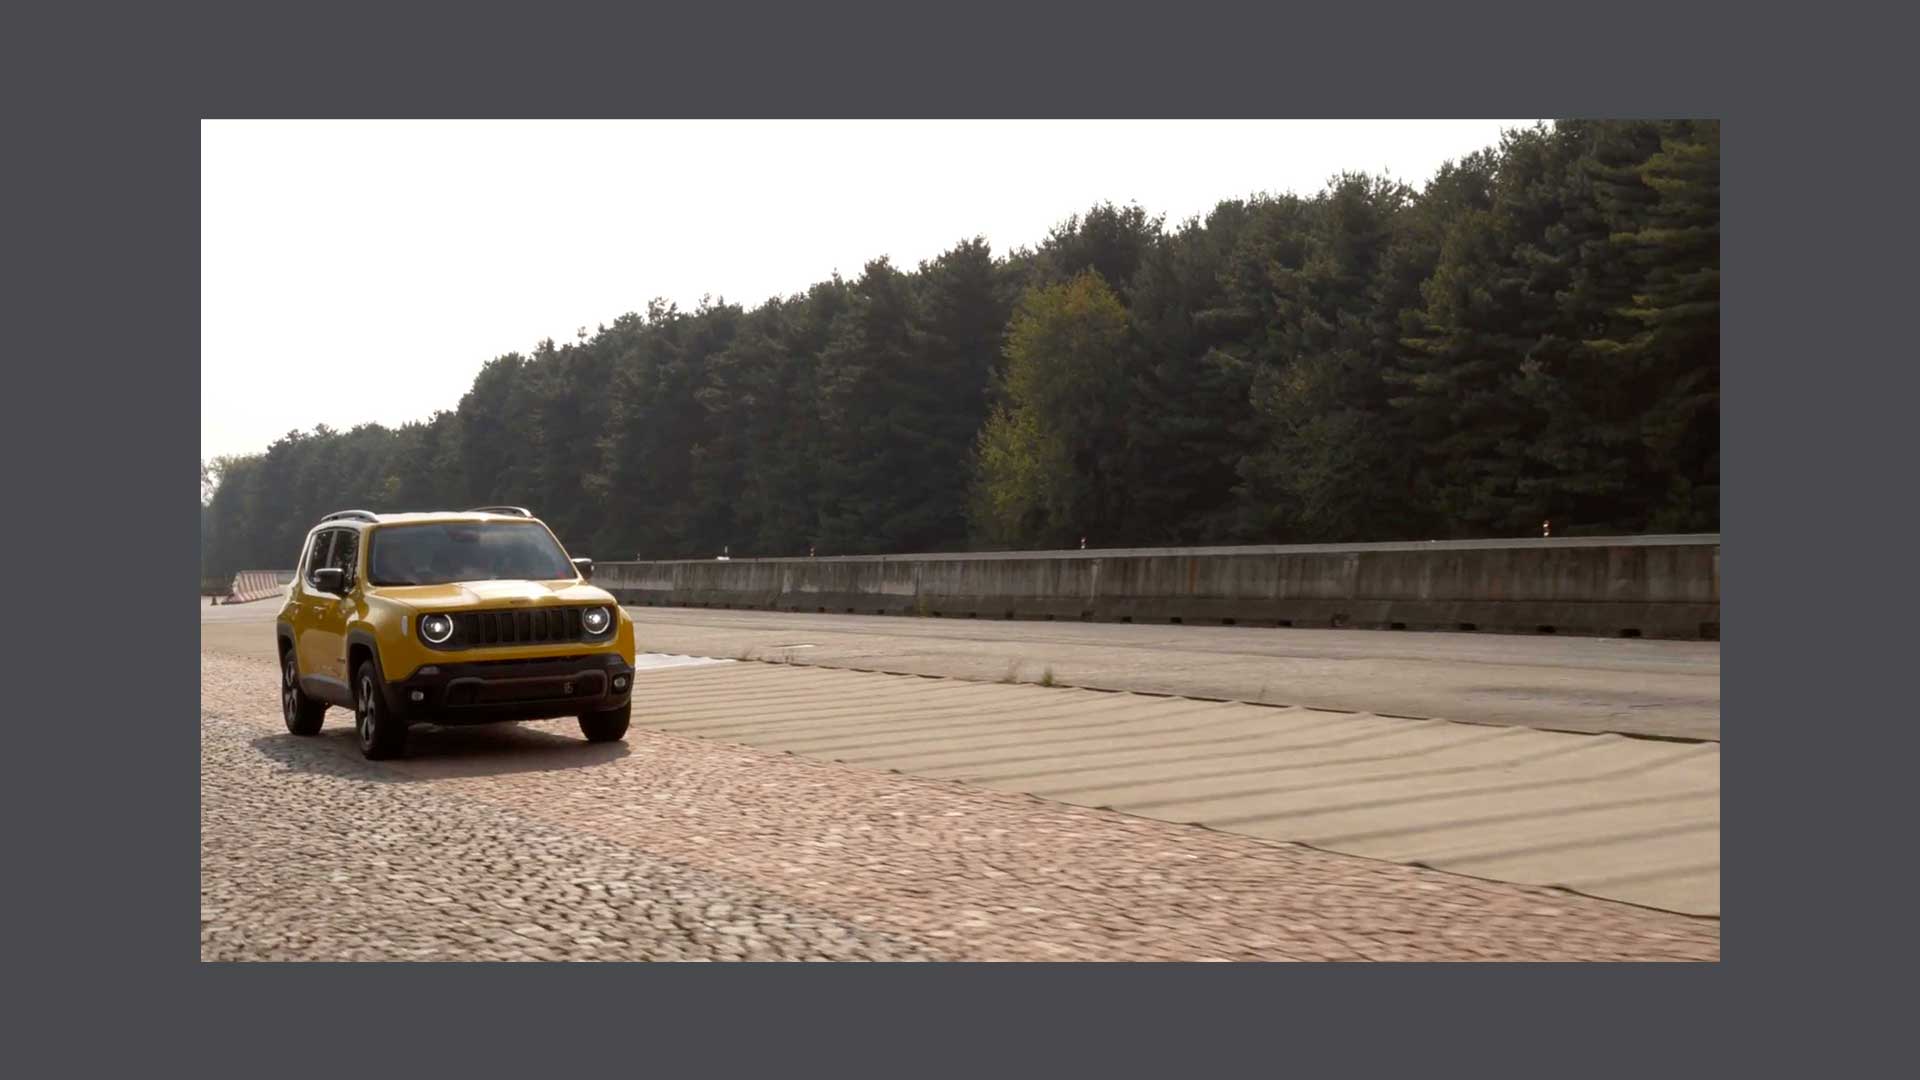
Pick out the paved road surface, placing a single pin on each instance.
(1638, 687)
(525, 842)
(1627, 819)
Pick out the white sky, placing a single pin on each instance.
(356, 271)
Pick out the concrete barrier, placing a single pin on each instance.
(1630, 586)
(250, 585)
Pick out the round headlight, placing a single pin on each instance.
(436, 629)
(596, 620)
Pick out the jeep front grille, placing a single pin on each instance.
(531, 626)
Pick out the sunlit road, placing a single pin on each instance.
(1641, 687)
(525, 842)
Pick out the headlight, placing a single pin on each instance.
(436, 629)
(596, 620)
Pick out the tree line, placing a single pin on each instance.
(1531, 336)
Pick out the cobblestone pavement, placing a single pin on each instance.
(524, 842)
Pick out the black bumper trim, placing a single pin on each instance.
(487, 691)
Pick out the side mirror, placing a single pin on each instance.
(330, 579)
(585, 566)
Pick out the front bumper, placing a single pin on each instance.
(486, 691)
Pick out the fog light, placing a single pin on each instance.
(619, 682)
(417, 696)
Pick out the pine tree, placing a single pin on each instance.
(872, 417)
(1490, 319)
(1588, 471)
(1331, 465)
(1675, 309)
(1187, 412)
(1109, 240)
(962, 332)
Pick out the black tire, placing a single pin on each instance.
(380, 733)
(302, 714)
(606, 726)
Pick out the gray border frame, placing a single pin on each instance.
(108, 186)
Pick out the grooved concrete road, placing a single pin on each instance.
(1636, 687)
(1627, 819)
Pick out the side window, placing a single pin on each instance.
(346, 553)
(317, 556)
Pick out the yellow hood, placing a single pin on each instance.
(465, 595)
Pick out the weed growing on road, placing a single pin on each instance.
(1046, 677)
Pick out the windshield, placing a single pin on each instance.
(440, 554)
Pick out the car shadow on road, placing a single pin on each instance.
(437, 753)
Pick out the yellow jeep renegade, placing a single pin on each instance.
(449, 618)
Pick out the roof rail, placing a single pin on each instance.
(357, 515)
(520, 511)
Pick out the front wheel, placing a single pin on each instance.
(606, 726)
(302, 713)
(382, 734)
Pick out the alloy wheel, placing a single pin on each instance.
(289, 691)
(365, 713)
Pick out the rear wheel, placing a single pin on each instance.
(606, 726)
(302, 713)
(381, 734)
